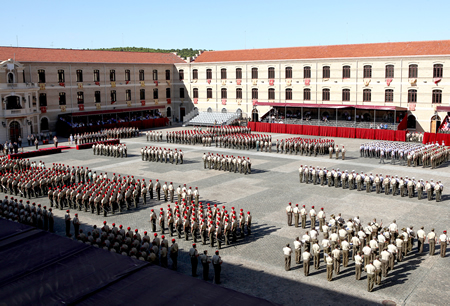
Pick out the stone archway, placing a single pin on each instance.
(411, 123)
(44, 124)
(14, 131)
(255, 115)
(435, 123)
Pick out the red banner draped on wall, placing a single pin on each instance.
(385, 135)
(328, 131)
(278, 128)
(312, 130)
(346, 132)
(365, 133)
(403, 124)
(439, 137)
(400, 135)
(294, 129)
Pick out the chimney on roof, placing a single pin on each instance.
(188, 59)
(175, 53)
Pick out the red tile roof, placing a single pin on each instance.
(438, 47)
(86, 56)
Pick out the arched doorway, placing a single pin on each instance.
(435, 123)
(209, 110)
(44, 124)
(255, 116)
(14, 131)
(239, 113)
(224, 110)
(169, 112)
(411, 123)
(13, 102)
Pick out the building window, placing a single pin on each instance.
(79, 75)
(239, 73)
(326, 94)
(367, 95)
(288, 94)
(167, 75)
(113, 96)
(181, 93)
(195, 93)
(254, 93)
(389, 95)
(346, 72)
(209, 74)
(155, 75)
(438, 71)
(412, 72)
(209, 93)
(168, 93)
(97, 97)
(41, 76)
(80, 97)
(141, 75)
(326, 72)
(61, 77)
(346, 95)
(112, 75)
(307, 94)
(288, 72)
(223, 74)
(412, 95)
(128, 95)
(238, 93)
(271, 73)
(155, 93)
(223, 93)
(367, 74)
(254, 73)
(389, 71)
(42, 99)
(127, 75)
(271, 93)
(195, 74)
(437, 96)
(142, 94)
(96, 75)
(307, 72)
(181, 74)
(62, 98)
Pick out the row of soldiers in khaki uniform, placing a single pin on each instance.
(305, 146)
(30, 214)
(414, 137)
(210, 223)
(105, 134)
(227, 163)
(128, 243)
(244, 141)
(359, 181)
(227, 129)
(154, 136)
(430, 155)
(369, 245)
(112, 150)
(156, 154)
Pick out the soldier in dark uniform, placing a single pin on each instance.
(76, 225)
(51, 221)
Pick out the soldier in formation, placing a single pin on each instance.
(105, 134)
(358, 180)
(227, 163)
(162, 155)
(112, 150)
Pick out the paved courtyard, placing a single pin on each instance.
(255, 265)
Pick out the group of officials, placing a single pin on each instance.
(227, 163)
(412, 155)
(359, 181)
(156, 154)
(373, 247)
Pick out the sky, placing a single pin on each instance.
(223, 25)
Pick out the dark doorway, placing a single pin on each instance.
(44, 124)
(182, 113)
(411, 124)
(14, 131)
(255, 116)
(13, 102)
(169, 112)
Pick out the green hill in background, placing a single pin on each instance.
(181, 52)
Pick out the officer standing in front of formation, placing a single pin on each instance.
(205, 263)
(193, 253)
(217, 262)
(287, 257)
(174, 254)
(289, 212)
(67, 221)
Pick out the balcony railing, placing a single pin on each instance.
(18, 85)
